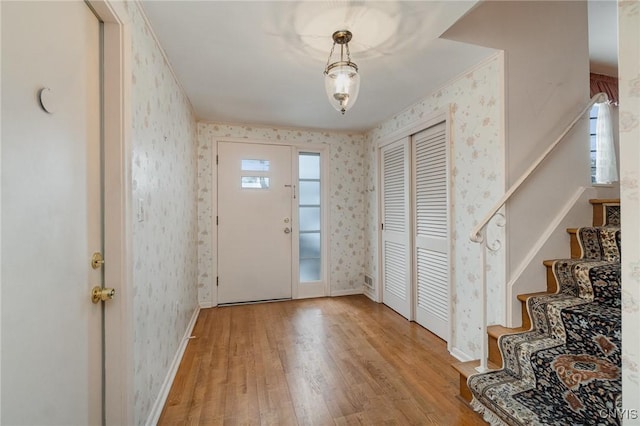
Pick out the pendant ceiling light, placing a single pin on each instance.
(341, 79)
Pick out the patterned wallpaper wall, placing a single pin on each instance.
(629, 86)
(346, 210)
(164, 244)
(478, 182)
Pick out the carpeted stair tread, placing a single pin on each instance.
(526, 318)
(577, 381)
(564, 367)
(576, 328)
(599, 242)
(595, 242)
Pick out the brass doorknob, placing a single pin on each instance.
(100, 294)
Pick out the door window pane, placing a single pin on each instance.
(255, 182)
(255, 165)
(309, 270)
(309, 245)
(309, 218)
(310, 193)
(309, 166)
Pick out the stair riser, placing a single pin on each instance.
(576, 250)
(494, 351)
(465, 393)
(552, 283)
(526, 321)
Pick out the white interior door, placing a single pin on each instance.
(396, 253)
(51, 215)
(255, 192)
(431, 210)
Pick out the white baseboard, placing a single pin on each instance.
(369, 292)
(348, 292)
(156, 410)
(460, 355)
(206, 305)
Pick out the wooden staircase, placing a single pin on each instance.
(465, 369)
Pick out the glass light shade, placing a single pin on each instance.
(342, 83)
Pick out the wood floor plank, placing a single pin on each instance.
(328, 361)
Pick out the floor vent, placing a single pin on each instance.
(368, 281)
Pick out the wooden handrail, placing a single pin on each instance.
(476, 233)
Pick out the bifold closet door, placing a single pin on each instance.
(396, 251)
(431, 227)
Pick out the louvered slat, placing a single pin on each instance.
(395, 272)
(431, 184)
(394, 189)
(433, 282)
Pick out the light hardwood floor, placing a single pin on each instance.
(342, 361)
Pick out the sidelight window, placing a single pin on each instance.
(310, 217)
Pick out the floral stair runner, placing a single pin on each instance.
(566, 369)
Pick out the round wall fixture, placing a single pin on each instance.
(47, 100)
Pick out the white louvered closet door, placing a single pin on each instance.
(396, 251)
(431, 256)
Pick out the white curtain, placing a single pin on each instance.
(606, 167)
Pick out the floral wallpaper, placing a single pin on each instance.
(346, 211)
(477, 161)
(629, 86)
(164, 241)
(174, 260)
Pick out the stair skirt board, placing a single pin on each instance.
(525, 271)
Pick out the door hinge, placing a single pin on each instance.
(217, 220)
(382, 226)
(217, 281)
(216, 159)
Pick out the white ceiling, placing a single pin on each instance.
(603, 36)
(261, 62)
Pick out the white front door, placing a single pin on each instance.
(255, 192)
(396, 236)
(51, 347)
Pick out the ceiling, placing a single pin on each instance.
(262, 62)
(603, 37)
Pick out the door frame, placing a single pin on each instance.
(117, 129)
(297, 147)
(445, 114)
